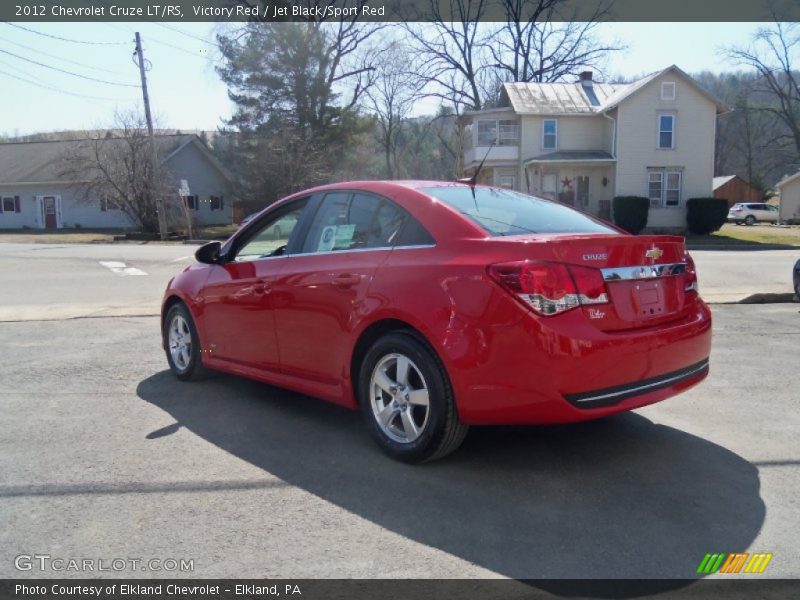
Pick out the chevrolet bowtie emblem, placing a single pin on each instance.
(654, 253)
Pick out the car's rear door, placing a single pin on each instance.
(324, 288)
(238, 300)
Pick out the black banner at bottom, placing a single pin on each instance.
(395, 589)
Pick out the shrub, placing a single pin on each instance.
(630, 213)
(705, 215)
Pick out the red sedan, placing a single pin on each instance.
(434, 306)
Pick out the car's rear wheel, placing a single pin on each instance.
(750, 220)
(407, 400)
(183, 344)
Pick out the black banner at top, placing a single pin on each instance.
(394, 10)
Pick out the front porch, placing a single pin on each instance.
(583, 180)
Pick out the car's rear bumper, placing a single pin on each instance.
(574, 372)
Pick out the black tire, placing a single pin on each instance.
(442, 431)
(750, 220)
(194, 369)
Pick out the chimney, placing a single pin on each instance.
(585, 78)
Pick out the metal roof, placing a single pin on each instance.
(559, 98)
(577, 98)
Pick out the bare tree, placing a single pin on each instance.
(539, 43)
(772, 55)
(452, 48)
(114, 167)
(391, 98)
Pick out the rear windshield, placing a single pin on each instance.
(503, 212)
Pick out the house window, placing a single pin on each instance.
(666, 131)
(487, 133)
(191, 202)
(106, 204)
(672, 193)
(506, 180)
(664, 187)
(549, 134)
(216, 203)
(655, 188)
(668, 90)
(509, 133)
(501, 133)
(9, 205)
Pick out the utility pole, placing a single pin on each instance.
(162, 213)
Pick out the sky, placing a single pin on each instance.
(187, 94)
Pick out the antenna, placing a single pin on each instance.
(471, 181)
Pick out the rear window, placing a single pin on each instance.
(504, 212)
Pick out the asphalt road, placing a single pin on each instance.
(103, 454)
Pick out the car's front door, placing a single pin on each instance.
(324, 288)
(237, 314)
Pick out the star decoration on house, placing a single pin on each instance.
(566, 183)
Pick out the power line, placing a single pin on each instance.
(46, 66)
(53, 56)
(63, 39)
(187, 34)
(59, 90)
(158, 41)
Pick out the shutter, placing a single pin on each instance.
(1, 204)
(17, 207)
(221, 202)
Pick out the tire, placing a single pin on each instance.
(403, 425)
(750, 220)
(182, 344)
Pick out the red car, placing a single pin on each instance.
(433, 306)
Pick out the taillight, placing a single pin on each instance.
(690, 284)
(551, 288)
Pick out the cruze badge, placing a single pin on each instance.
(654, 253)
(596, 313)
(602, 256)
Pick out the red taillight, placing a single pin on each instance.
(551, 288)
(690, 284)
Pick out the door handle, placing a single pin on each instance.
(346, 280)
(261, 287)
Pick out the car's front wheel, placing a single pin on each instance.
(407, 400)
(182, 344)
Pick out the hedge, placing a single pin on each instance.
(630, 213)
(705, 215)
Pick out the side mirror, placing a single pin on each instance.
(208, 253)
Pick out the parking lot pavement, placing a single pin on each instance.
(51, 281)
(104, 454)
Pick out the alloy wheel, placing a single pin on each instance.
(399, 398)
(180, 342)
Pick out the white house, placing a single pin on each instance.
(583, 143)
(789, 190)
(35, 194)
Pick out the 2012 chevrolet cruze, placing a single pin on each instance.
(433, 306)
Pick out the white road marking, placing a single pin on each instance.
(120, 268)
(181, 258)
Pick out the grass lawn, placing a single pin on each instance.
(215, 233)
(742, 235)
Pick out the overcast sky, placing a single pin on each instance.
(187, 94)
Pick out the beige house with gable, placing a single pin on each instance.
(583, 143)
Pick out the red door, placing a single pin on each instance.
(321, 293)
(50, 221)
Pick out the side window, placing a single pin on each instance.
(272, 236)
(414, 234)
(353, 221)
